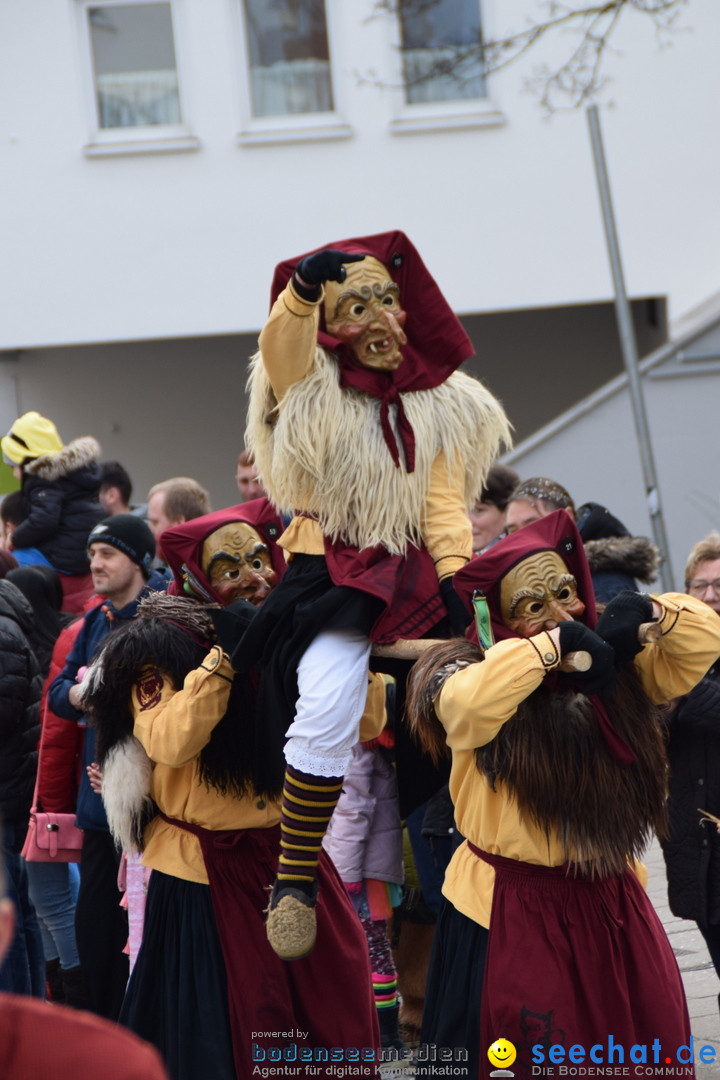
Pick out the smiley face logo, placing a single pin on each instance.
(502, 1053)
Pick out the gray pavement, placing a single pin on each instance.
(698, 974)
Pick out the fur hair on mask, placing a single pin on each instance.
(425, 681)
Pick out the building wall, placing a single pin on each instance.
(182, 244)
(597, 459)
(177, 407)
(173, 408)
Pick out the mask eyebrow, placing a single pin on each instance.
(259, 549)
(224, 556)
(566, 579)
(362, 294)
(524, 594)
(388, 287)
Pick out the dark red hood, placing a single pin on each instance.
(556, 532)
(182, 544)
(436, 341)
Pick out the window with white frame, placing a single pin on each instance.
(441, 50)
(134, 65)
(289, 57)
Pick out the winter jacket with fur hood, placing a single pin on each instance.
(692, 850)
(20, 689)
(618, 562)
(61, 498)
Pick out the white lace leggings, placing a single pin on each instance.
(332, 684)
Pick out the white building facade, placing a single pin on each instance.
(159, 157)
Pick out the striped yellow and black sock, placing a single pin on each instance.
(307, 805)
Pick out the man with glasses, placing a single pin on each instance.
(692, 849)
(705, 582)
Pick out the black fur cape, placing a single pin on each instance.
(173, 634)
(553, 760)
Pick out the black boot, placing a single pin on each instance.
(53, 980)
(389, 1034)
(74, 988)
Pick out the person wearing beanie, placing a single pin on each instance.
(129, 534)
(60, 486)
(617, 560)
(121, 549)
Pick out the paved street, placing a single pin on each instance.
(699, 978)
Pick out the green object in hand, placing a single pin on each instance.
(482, 619)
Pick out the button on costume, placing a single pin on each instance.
(360, 423)
(175, 721)
(558, 780)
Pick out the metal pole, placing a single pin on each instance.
(629, 351)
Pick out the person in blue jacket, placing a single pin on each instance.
(121, 550)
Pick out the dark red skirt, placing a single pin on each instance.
(322, 1002)
(574, 961)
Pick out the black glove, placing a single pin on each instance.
(231, 623)
(600, 677)
(458, 615)
(326, 265)
(620, 621)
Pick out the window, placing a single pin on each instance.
(289, 57)
(440, 50)
(134, 67)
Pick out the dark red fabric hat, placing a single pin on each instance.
(555, 532)
(182, 544)
(437, 343)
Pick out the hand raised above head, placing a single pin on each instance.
(326, 265)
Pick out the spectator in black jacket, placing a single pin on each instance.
(617, 559)
(23, 971)
(60, 486)
(692, 850)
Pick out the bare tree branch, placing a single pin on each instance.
(577, 79)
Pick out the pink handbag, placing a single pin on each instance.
(52, 838)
